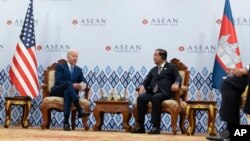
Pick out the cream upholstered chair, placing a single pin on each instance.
(177, 105)
(56, 103)
(244, 97)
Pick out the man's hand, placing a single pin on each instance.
(80, 86)
(238, 72)
(175, 87)
(141, 90)
(76, 86)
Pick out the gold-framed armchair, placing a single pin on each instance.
(177, 105)
(50, 103)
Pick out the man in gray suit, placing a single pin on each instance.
(159, 85)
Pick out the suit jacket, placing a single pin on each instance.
(169, 75)
(63, 76)
(247, 105)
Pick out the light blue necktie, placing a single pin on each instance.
(71, 70)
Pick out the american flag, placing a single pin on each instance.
(228, 53)
(23, 70)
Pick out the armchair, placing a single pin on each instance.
(244, 97)
(177, 105)
(56, 103)
(243, 102)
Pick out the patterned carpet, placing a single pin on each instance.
(36, 134)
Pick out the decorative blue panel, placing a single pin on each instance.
(107, 79)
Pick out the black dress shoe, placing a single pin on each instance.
(66, 127)
(138, 130)
(154, 130)
(81, 114)
(221, 137)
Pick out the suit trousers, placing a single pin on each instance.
(69, 95)
(231, 90)
(156, 100)
(247, 105)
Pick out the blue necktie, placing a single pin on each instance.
(71, 70)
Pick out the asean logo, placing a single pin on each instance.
(9, 22)
(218, 21)
(108, 48)
(39, 47)
(144, 21)
(74, 22)
(181, 48)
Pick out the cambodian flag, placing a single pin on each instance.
(228, 53)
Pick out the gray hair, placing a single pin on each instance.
(70, 51)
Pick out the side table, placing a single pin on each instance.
(193, 106)
(24, 101)
(112, 107)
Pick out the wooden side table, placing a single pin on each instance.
(112, 107)
(193, 106)
(24, 101)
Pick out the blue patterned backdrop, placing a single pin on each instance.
(128, 31)
(118, 78)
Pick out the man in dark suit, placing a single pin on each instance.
(68, 81)
(231, 89)
(159, 85)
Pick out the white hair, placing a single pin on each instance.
(71, 51)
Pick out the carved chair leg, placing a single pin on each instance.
(85, 123)
(183, 116)
(174, 117)
(46, 116)
(85, 118)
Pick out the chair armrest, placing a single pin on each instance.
(45, 90)
(183, 93)
(244, 97)
(86, 91)
(44, 86)
(177, 95)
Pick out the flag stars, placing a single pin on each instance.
(27, 34)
